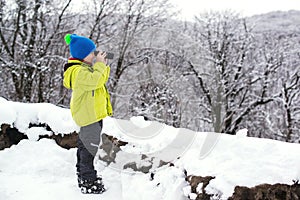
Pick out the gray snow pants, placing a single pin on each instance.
(88, 144)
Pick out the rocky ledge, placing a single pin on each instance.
(198, 185)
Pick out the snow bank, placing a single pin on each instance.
(21, 115)
(8, 114)
(244, 161)
(43, 170)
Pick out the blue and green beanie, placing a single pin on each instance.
(80, 46)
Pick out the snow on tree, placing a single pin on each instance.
(156, 102)
(31, 54)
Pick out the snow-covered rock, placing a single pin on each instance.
(21, 115)
(35, 132)
(267, 191)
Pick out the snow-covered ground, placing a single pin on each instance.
(43, 170)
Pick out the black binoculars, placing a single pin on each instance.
(108, 54)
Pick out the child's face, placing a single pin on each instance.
(90, 58)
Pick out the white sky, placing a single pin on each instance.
(190, 8)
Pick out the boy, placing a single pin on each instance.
(90, 103)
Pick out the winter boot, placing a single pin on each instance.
(80, 181)
(91, 187)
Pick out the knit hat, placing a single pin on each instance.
(80, 46)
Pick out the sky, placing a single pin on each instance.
(189, 8)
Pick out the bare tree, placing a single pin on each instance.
(283, 122)
(103, 20)
(290, 96)
(227, 76)
(136, 17)
(156, 102)
(26, 38)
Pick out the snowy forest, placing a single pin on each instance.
(220, 72)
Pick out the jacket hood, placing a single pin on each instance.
(69, 68)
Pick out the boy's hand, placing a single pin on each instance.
(101, 57)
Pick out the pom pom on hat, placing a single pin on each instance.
(68, 38)
(80, 46)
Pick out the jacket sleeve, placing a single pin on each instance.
(87, 80)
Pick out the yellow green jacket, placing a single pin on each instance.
(90, 100)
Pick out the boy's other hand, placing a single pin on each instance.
(101, 57)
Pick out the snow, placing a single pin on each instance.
(20, 115)
(199, 188)
(43, 170)
(139, 121)
(8, 116)
(242, 133)
(193, 196)
(33, 133)
(246, 162)
(187, 190)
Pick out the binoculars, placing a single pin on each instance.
(108, 54)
